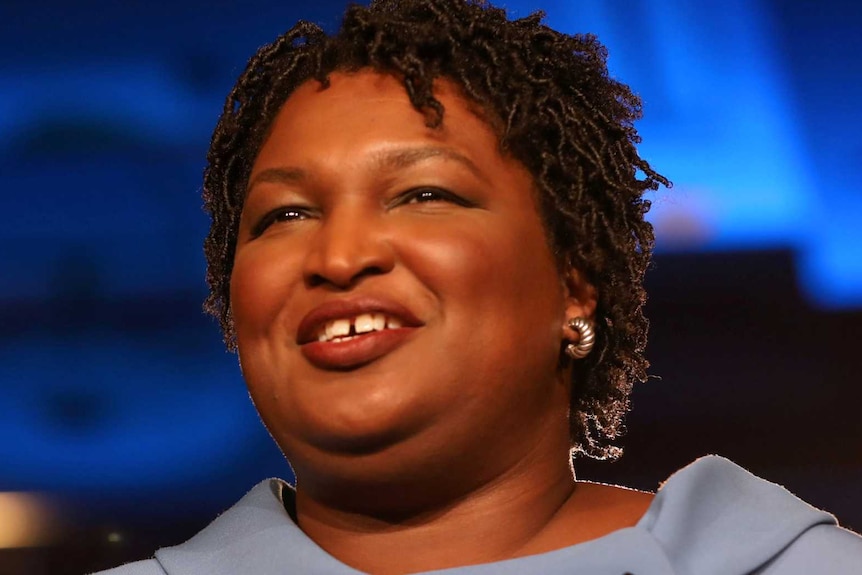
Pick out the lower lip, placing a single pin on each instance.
(357, 351)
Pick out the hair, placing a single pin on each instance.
(555, 109)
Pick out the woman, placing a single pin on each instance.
(428, 247)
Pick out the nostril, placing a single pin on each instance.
(315, 280)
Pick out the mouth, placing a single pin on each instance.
(346, 334)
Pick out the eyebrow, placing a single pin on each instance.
(401, 158)
(395, 159)
(277, 176)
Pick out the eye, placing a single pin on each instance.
(427, 195)
(279, 215)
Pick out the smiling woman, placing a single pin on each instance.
(421, 228)
(386, 221)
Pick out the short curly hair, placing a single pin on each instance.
(555, 109)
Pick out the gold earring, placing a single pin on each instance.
(586, 340)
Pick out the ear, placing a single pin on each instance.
(581, 301)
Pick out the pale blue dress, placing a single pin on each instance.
(710, 518)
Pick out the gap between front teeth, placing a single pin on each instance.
(363, 323)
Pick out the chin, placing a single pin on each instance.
(372, 459)
(358, 430)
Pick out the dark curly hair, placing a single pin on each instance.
(555, 109)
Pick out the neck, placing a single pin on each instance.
(427, 524)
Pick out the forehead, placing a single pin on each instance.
(364, 110)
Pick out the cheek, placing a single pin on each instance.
(259, 286)
(496, 272)
(502, 308)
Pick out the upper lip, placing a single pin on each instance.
(348, 308)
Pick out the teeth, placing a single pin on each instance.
(363, 323)
(339, 329)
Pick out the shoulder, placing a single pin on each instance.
(255, 535)
(715, 517)
(821, 549)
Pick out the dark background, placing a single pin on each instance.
(121, 413)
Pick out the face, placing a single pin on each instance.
(393, 293)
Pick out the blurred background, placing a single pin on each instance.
(125, 426)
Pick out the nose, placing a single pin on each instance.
(349, 245)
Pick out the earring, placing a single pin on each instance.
(586, 341)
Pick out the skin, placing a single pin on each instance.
(468, 418)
